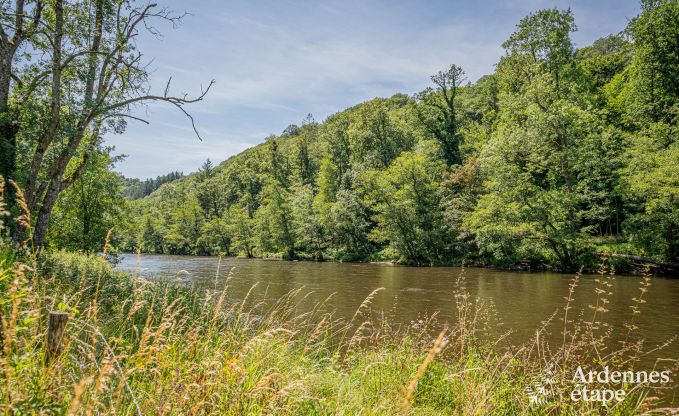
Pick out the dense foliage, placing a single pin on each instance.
(70, 73)
(136, 188)
(88, 209)
(560, 153)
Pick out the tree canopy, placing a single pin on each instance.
(557, 156)
(560, 154)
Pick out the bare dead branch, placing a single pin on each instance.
(167, 87)
(112, 115)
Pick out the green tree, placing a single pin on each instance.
(328, 180)
(184, 230)
(151, 235)
(438, 110)
(652, 180)
(346, 224)
(278, 167)
(242, 230)
(80, 80)
(305, 168)
(209, 191)
(90, 207)
(406, 197)
(541, 154)
(647, 97)
(274, 221)
(18, 28)
(654, 82)
(136, 189)
(215, 237)
(378, 133)
(309, 233)
(339, 145)
(462, 187)
(605, 58)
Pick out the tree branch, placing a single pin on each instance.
(176, 101)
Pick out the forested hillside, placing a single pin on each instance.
(559, 154)
(136, 188)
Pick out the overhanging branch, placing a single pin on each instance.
(178, 102)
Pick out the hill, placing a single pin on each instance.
(544, 163)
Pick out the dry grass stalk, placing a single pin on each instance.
(439, 343)
(187, 353)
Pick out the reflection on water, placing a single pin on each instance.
(522, 300)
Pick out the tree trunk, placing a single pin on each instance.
(641, 260)
(40, 227)
(8, 131)
(8, 127)
(115, 73)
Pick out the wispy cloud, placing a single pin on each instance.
(276, 61)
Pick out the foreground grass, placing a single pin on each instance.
(135, 347)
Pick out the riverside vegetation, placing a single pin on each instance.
(560, 155)
(140, 347)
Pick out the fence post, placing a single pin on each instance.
(55, 335)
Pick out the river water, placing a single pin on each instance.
(522, 300)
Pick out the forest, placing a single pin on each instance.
(135, 188)
(558, 156)
(564, 158)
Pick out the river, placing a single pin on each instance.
(522, 300)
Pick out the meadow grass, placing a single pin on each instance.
(136, 347)
(139, 347)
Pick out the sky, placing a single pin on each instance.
(275, 61)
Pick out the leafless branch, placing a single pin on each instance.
(128, 116)
(167, 87)
(176, 101)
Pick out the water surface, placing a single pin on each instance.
(522, 300)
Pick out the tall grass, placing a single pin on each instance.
(138, 347)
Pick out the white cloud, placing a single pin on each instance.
(276, 61)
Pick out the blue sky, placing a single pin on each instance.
(276, 61)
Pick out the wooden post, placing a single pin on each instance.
(55, 335)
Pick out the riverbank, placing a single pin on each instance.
(622, 264)
(134, 346)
